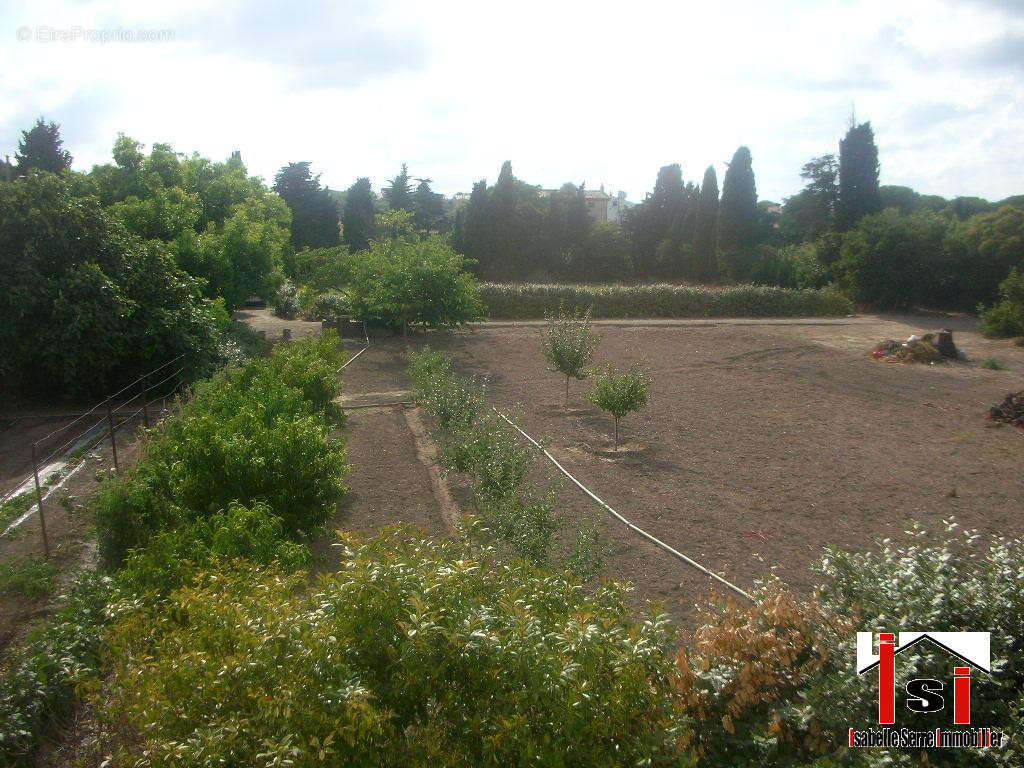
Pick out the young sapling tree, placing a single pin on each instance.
(620, 393)
(568, 345)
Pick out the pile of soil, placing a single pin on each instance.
(914, 350)
(1010, 411)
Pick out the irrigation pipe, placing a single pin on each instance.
(619, 517)
(357, 354)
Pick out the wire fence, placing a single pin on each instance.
(58, 453)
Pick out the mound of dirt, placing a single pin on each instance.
(913, 350)
(1010, 411)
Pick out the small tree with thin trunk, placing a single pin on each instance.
(568, 345)
(620, 393)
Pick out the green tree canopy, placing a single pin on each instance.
(314, 213)
(359, 217)
(428, 207)
(737, 212)
(42, 148)
(86, 306)
(705, 235)
(858, 176)
(398, 193)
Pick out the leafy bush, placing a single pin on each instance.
(773, 684)
(285, 301)
(1007, 317)
(87, 307)
(568, 344)
(536, 300)
(892, 261)
(173, 556)
(406, 279)
(37, 681)
(620, 393)
(254, 433)
(417, 653)
(320, 306)
(323, 270)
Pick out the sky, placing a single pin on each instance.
(592, 92)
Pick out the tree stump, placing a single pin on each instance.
(944, 344)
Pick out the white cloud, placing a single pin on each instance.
(595, 92)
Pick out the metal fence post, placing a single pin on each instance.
(113, 441)
(39, 498)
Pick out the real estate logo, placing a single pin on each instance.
(926, 695)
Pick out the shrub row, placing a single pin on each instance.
(476, 441)
(245, 468)
(520, 301)
(239, 474)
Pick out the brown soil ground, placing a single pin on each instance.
(69, 526)
(766, 441)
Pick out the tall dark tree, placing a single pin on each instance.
(811, 212)
(314, 212)
(358, 221)
(504, 228)
(705, 235)
(398, 193)
(737, 211)
(648, 224)
(567, 225)
(858, 176)
(41, 147)
(428, 207)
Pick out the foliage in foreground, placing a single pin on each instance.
(537, 300)
(416, 653)
(772, 684)
(37, 681)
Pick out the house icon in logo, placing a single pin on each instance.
(972, 648)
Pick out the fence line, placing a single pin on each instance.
(84, 436)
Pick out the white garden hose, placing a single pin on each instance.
(641, 531)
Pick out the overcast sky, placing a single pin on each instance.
(602, 93)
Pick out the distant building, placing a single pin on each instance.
(601, 205)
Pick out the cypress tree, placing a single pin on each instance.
(737, 212)
(41, 147)
(314, 212)
(428, 206)
(858, 176)
(398, 193)
(705, 235)
(358, 219)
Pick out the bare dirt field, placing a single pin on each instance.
(764, 441)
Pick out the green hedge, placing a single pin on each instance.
(256, 435)
(521, 301)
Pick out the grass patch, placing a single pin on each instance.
(28, 576)
(992, 364)
(15, 507)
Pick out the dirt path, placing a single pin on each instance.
(395, 477)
